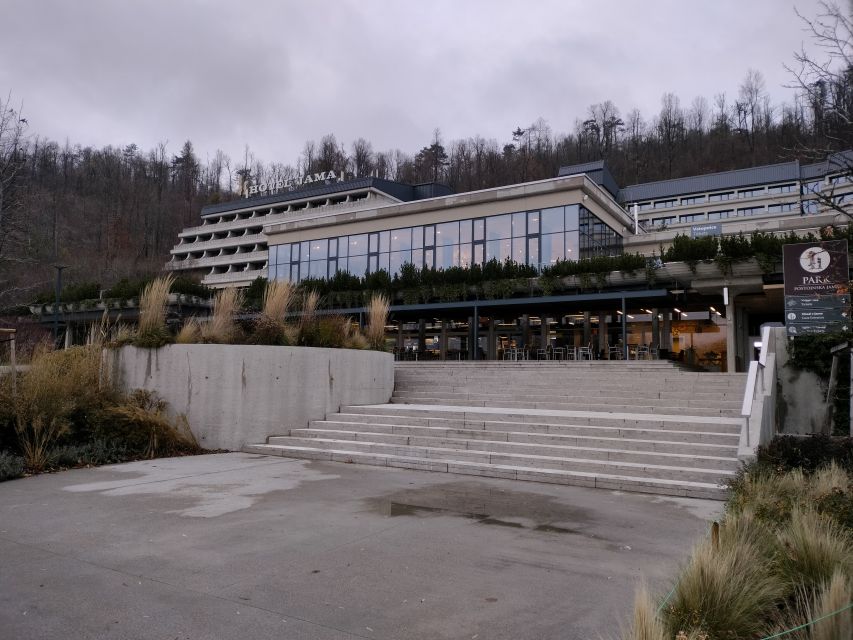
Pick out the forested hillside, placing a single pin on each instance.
(115, 212)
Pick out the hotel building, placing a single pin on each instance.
(363, 225)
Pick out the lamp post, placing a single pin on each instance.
(59, 268)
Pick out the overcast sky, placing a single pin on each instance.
(273, 74)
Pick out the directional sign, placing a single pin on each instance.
(822, 302)
(806, 329)
(817, 316)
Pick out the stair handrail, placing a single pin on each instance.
(759, 399)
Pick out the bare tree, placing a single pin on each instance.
(827, 86)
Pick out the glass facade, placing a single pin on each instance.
(537, 238)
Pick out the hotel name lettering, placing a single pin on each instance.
(269, 188)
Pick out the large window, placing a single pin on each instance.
(538, 238)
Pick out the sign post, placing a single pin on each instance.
(817, 296)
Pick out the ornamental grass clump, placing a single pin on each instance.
(810, 549)
(645, 623)
(834, 616)
(222, 328)
(190, 332)
(727, 589)
(377, 318)
(58, 384)
(153, 302)
(271, 326)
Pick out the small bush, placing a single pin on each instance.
(57, 385)
(11, 466)
(143, 425)
(93, 453)
(190, 332)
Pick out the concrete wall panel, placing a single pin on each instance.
(234, 394)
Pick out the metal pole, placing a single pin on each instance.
(59, 269)
(624, 329)
(851, 393)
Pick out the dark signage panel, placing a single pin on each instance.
(819, 302)
(817, 316)
(702, 230)
(815, 268)
(807, 329)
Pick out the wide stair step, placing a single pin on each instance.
(635, 426)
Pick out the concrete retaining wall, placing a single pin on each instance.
(801, 407)
(234, 395)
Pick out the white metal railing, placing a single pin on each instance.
(759, 399)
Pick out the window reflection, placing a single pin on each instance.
(538, 238)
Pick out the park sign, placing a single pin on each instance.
(817, 298)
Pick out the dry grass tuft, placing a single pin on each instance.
(142, 422)
(645, 624)
(728, 591)
(152, 305)
(377, 312)
(835, 595)
(222, 329)
(190, 332)
(278, 297)
(56, 383)
(810, 549)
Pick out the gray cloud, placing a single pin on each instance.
(274, 74)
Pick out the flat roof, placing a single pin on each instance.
(397, 190)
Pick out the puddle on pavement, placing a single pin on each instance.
(488, 506)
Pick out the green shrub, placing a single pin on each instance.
(11, 466)
(93, 453)
(785, 453)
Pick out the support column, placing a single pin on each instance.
(400, 338)
(666, 338)
(602, 333)
(475, 334)
(471, 333)
(543, 332)
(421, 337)
(655, 330)
(624, 330)
(442, 345)
(525, 328)
(587, 329)
(731, 334)
(492, 347)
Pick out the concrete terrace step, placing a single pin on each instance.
(528, 432)
(729, 395)
(654, 468)
(612, 481)
(553, 416)
(424, 445)
(558, 403)
(636, 426)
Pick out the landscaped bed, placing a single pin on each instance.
(779, 564)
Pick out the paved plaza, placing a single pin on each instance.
(247, 546)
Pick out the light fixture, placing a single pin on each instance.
(676, 310)
(630, 317)
(713, 309)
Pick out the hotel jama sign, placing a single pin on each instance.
(817, 287)
(269, 188)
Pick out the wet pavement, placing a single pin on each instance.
(244, 546)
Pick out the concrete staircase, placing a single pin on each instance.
(643, 426)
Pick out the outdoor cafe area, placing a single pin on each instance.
(694, 337)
